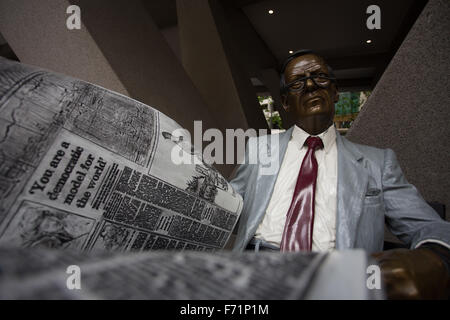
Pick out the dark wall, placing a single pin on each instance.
(409, 110)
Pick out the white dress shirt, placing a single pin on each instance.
(324, 229)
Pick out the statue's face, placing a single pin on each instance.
(310, 99)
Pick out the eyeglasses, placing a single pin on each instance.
(321, 80)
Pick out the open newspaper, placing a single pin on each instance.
(85, 168)
(39, 273)
(156, 275)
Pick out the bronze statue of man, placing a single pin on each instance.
(330, 193)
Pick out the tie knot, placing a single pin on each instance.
(314, 143)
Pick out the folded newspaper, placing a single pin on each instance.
(82, 167)
(88, 170)
(66, 274)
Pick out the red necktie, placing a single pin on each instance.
(297, 234)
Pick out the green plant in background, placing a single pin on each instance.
(363, 98)
(348, 107)
(348, 103)
(367, 93)
(272, 117)
(276, 121)
(262, 98)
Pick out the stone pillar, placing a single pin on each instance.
(37, 33)
(210, 59)
(408, 110)
(118, 47)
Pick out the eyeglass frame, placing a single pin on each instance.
(312, 77)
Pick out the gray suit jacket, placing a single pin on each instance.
(370, 188)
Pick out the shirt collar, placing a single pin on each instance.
(328, 137)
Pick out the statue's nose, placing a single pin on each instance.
(310, 84)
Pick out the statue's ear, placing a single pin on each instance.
(284, 102)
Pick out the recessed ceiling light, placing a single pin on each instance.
(291, 52)
(369, 41)
(270, 11)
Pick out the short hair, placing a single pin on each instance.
(283, 88)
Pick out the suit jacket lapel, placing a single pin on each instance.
(351, 187)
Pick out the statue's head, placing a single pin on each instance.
(308, 91)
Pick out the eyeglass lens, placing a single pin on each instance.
(319, 80)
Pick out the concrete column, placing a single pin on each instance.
(37, 33)
(408, 110)
(210, 60)
(118, 47)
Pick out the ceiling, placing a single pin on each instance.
(332, 28)
(335, 29)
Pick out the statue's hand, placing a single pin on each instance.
(413, 274)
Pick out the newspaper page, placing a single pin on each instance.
(41, 274)
(84, 168)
